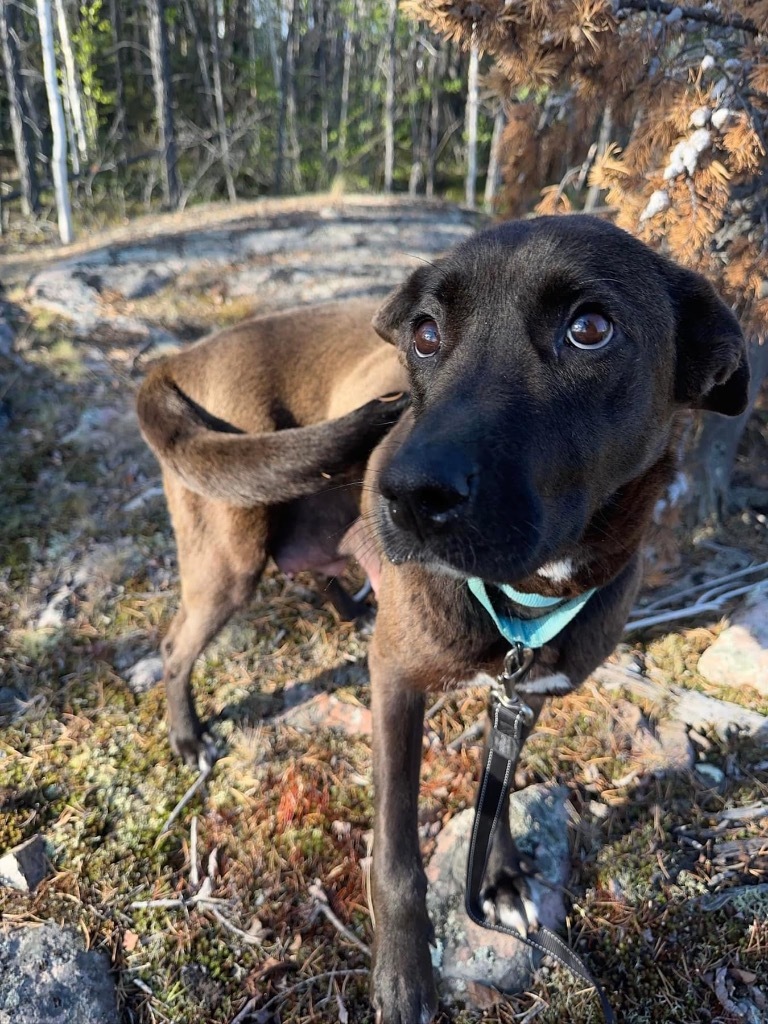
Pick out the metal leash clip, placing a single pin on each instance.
(517, 663)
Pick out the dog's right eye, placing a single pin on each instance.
(426, 339)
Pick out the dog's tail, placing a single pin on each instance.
(215, 459)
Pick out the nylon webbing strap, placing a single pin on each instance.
(509, 719)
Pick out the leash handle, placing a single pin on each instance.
(509, 717)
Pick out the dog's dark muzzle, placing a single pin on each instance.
(434, 509)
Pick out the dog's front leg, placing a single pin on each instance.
(403, 988)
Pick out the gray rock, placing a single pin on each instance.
(136, 282)
(62, 291)
(25, 866)
(739, 656)
(46, 977)
(328, 712)
(472, 960)
(263, 243)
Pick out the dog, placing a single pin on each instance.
(546, 362)
(262, 433)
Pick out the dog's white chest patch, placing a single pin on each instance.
(557, 572)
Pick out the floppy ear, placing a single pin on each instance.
(712, 369)
(399, 305)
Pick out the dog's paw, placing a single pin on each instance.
(402, 986)
(545, 686)
(195, 750)
(513, 900)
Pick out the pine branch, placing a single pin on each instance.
(711, 17)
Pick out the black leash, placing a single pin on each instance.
(509, 716)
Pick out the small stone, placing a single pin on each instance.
(145, 674)
(25, 866)
(328, 712)
(739, 656)
(713, 775)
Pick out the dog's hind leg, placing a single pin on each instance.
(221, 558)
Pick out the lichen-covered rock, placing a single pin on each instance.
(46, 977)
(471, 960)
(328, 712)
(739, 656)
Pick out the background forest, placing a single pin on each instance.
(242, 98)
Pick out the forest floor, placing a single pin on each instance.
(668, 895)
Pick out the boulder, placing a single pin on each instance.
(474, 962)
(46, 977)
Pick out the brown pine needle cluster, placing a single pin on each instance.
(664, 109)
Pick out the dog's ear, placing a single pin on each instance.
(712, 369)
(399, 305)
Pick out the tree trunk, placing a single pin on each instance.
(341, 158)
(119, 121)
(493, 177)
(436, 64)
(161, 80)
(603, 139)
(73, 94)
(218, 93)
(389, 101)
(322, 59)
(286, 74)
(708, 466)
(202, 62)
(471, 126)
(292, 118)
(59, 156)
(23, 142)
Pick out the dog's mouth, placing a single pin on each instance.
(469, 549)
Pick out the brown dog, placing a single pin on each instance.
(546, 362)
(262, 432)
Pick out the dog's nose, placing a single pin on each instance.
(428, 498)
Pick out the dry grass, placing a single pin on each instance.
(89, 768)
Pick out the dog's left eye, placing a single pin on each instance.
(589, 330)
(426, 339)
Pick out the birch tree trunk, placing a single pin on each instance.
(471, 126)
(161, 79)
(286, 73)
(59, 155)
(23, 142)
(493, 177)
(389, 101)
(119, 120)
(341, 156)
(218, 94)
(72, 81)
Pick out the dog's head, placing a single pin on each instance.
(547, 360)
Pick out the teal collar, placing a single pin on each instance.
(531, 632)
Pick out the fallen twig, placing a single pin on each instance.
(251, 940)
(250, 1006)
(470, 734)
(200, 781)
(322, 904)
(710, 598)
